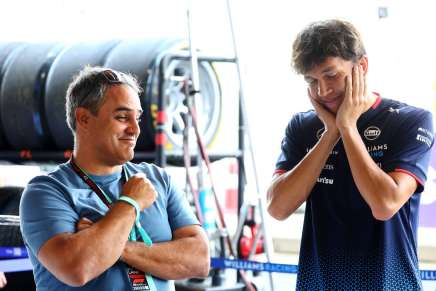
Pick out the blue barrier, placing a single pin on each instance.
(15, 259)
(15, 265)
(222, 263)
(429, 275)
(13, 252)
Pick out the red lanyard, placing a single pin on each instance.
(100, 193)
(108, 202)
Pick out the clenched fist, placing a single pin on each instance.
(140, 189)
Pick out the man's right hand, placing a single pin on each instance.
(140, 189)
(326, 117)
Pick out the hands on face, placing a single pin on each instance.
(327, 118)
(356, 101)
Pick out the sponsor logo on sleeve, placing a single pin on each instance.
(426, 132)
(423, 139)
(425, 136)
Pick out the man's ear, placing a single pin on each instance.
(82, 116)
(364, 63)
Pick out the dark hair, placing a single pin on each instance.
(323, 39)
(88, 89)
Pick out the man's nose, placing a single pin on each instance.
(134, 127)
(324, 89)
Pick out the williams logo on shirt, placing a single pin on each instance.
(377, 151)
(372, 133)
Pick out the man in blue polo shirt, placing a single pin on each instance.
(100, 222)
(359, 161)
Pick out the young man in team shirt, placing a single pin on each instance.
(359, 161)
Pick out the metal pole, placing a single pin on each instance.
(250, 142)
(196, 91)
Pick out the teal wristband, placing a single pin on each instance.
(133, 203)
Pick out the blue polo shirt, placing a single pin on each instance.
(343, 247)
(53, 204)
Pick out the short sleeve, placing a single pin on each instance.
(412, 148)
(291, 150)
(44, 213)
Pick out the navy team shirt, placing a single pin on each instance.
(343, 246)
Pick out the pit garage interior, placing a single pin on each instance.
(230, 61)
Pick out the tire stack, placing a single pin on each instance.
(34, 78)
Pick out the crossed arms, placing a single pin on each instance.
(76, 258)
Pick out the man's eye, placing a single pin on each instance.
(310, 81)
(121, 118)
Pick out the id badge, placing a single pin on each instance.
(140, 281)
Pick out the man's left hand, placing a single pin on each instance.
(355, 100)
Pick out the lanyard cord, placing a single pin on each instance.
(108, 202)
(100, 193)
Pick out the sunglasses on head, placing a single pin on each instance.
(104, 77)
(109, 76)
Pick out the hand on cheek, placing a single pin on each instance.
(327, 118)
(356, 101)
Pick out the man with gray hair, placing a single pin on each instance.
(100, 222)
(359, 161)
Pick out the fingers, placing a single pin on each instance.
(361, 95)
(148, 186)
(356, 83)
(83, 223)
(356, 87)
(140, 189)
(365, 85)
(85, 220)
(348, 87)
(318, 107)
(312, 100)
